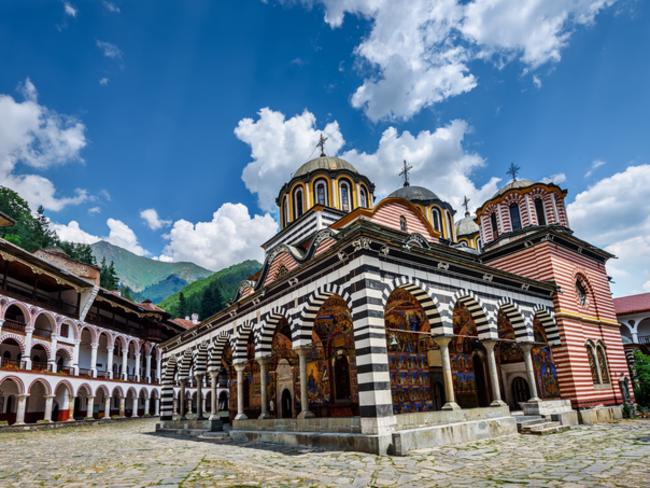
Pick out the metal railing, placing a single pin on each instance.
(14, 325)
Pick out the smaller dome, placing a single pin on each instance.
(328, 163)
(466, 226)
(514, 185)
(414, 193)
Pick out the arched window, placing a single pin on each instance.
(321, 192)
(363, 197)
(344, 191)
(602, 364)
(581, 292)
(285, 210)
(297, 203)
(435, 215)
(402, 224)
(515, 217)
(539, 210)
(592, 364)
(450, 225)
(495, 226)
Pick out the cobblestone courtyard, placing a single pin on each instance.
(128, 454)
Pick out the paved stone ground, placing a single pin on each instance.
(129, 454)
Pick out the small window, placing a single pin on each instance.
(321, 192)
(592, 365)
(581, 292)
(344, 190)
(515, 217)
(602, 364)
(285, 210)
(435, 215)
(402, 224)
(495, 226)
(297, 203)
(539, 210)
(363, 197)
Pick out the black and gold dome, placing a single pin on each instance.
(326, 181)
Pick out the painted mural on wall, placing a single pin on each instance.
(282, 371)
(408, 343)
(508, 351)
(545, 370)
(461, 352)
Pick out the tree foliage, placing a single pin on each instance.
(107, 276)
(642, 386)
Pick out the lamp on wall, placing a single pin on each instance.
(393, 341)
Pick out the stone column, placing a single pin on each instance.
(20, 409)
(107, 407)
(158, 366)
(156, 406)
(71, 400)
(122, 411)
(90, 407)
(137, 366)
(27, 360)
(214, 378)
(109, 362)
(494, 374)
(51, 362)
(181, 401)
(304, 400)
(49, 402)
(239, 367)
(147, 367)
(75, 359)
(147, 404)
(134, 412)
(199, 397)
(93, 360)
(125, 358)
(530, 371)
(264, 362)
(443, 343)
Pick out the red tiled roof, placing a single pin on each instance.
(185, 324)
(151, 307)
(632, 303)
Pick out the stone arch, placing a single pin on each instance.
(478, 311)
(547, 319)
(86, 387)
(117, 389)
(516, 317)
(201, 359)
(145, 391)
(302, 332)
(20, 340)
(241, 340)
(103, 388)
(268, 325)
(167, 389)
(216, 350)
(50, 320)
(20, 386)
(42, 381)
(425, 297)
(185, 365)
(92, 330)
(24, 309)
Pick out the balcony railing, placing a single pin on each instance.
(39, 366)
(14, 325)
(644, 339)
(10, 364)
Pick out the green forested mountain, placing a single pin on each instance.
(207, 296)
(161, 290)
(139, 272)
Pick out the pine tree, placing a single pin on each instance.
(107, 276)
(182, 305)
(207, 303)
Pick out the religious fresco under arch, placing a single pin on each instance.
(331, 364)
(508, 351)
(409, 345)
(284, 356)
(545, 370)
(464, 351)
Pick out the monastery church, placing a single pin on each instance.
(390, 325)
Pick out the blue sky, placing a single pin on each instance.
(196, 112)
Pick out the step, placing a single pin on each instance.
(529, 421)
(214, 436)
(544, 428)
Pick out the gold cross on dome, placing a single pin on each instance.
(513, 171)
(405, 173)
(466, 204)
(321, 144)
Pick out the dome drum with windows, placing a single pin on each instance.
(325, 181)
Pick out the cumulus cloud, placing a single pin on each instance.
(119, 234)
(419, 55)
(557, 178)
(34, 136)
(104, 81)
(69, 9)
(440, 162)
(153, 221)
(109, 50)
(231, 236)
(613, 214)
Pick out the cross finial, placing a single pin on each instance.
(405, 173)
(321, 144)
(513, 171)
(466, 205)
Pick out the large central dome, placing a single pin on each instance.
(329, 163)
(414, 194)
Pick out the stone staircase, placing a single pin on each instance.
(538, 425)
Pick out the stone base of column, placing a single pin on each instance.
(241, 416)
(18, 423)
(498, 403)
(451, 406)
(306, 414)
(264, 416)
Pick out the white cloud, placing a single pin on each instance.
(440, 162)
(537, 81)
(230, 237)
(104, 81)
(153, 221)
(646, 286)
(34, 136)
(614, 214)
(594, 166)
(119, 234)
(557, 178)
(278, 146)
(111, 7)
(69, 9)
(109, 50)
(419, 55)
(94, 210)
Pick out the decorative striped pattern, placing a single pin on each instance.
(186, 365)
(545, 316)
(428, 301)
(167, 388)
(305, 323)
(516, 318)
(486, 328)
(216, 351)
(201, 360)
(264, 336)
(241, 340)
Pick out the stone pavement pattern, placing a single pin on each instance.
(129, 454)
